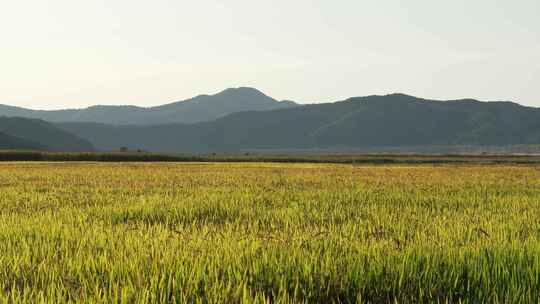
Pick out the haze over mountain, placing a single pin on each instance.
(197, 109)
(33, 134)
(381, 121)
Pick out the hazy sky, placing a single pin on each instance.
(75, 53)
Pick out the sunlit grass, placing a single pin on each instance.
(218, 233)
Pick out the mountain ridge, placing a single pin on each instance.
(9, 142)
(392, 120)
(193, 110)
(35, 134)
(379, 120)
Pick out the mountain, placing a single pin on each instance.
(197, 109)
(24, 133)
(8, 142)
(374, 121)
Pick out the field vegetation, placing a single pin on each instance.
(134, 156)
(268, 233)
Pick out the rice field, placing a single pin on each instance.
(268, 233)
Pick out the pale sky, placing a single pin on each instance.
(74, 53)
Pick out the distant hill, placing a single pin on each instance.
(34, 134)
(197, 109)
(9, 142)
(384, 121)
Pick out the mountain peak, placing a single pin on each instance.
(388, 98)
(210, 107)
(242, 91)
(402, 95)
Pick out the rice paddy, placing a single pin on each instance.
(268, 233)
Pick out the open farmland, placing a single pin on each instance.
(254, 232)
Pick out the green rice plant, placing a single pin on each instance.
(268, 233)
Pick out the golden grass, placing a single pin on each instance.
(215, 233)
